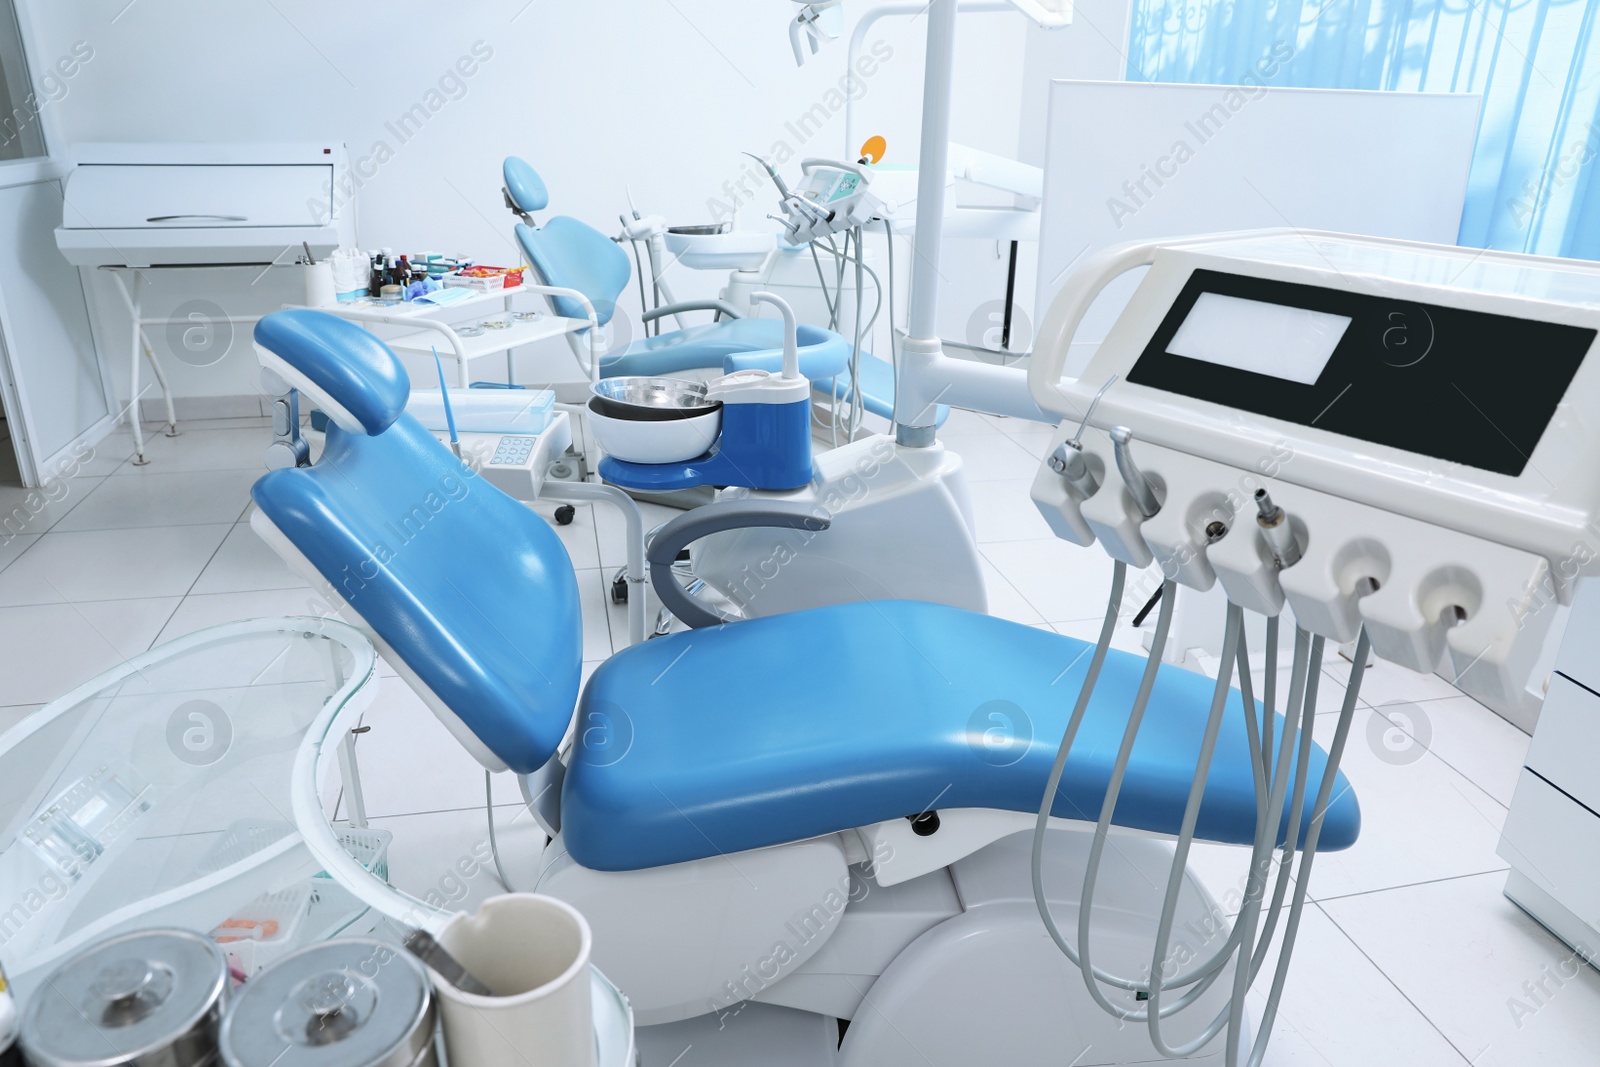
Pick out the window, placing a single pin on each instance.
(21, 136)
(1534, 62)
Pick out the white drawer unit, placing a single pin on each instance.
(1552, 832)
(1579, 657)
(1553, 845)
(1567, 741)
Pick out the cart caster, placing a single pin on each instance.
(619, 589)
(565, 514)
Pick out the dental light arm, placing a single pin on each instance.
(818, 21)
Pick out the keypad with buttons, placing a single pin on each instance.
(513, 451)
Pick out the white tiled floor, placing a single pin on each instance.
(1410, 954)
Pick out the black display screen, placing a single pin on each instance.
(1464, 386)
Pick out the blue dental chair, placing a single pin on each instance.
(694, 759)
(573, 255)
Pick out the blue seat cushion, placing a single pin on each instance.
(474, 591)
(721, 740)
(734, 344)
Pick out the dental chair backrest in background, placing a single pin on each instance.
(574, 255)
(568, 254)
(419, 552)
(564, 252)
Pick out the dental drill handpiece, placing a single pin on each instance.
(1068, 459)
(1274, 523)
(772, 172)
(1139, 487)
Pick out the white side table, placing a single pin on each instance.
(429, 332)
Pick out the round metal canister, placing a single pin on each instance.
(354, 1003)
(152, 998)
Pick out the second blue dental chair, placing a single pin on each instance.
(570, 254)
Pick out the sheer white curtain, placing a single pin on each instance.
(1536, 64)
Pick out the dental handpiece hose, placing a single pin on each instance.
(1272, 778)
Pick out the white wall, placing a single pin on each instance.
(602, 96)
(1094, 46)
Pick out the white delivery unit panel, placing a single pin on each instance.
(1442, 464)
(163, 205)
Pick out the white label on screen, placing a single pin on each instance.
(1277, 340)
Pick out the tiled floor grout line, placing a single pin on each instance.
(1411, 885)
(1395, 985)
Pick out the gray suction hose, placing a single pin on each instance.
(1249, 940)
(716, 517)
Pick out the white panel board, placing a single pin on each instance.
(46, 325)
(1132, 161)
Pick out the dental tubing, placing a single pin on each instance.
(1280, 766)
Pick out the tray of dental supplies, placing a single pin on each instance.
(484, 279)
(391, 279)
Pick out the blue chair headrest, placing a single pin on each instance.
(343, 369)
(570, 254)
(524, 185)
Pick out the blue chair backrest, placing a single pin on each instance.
(573, 255)
(470, 589)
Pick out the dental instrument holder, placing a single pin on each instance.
(1444, 541)
(765, 442)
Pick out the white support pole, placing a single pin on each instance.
(917, 396)
(937, 96)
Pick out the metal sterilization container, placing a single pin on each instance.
(152, 998)
(353, 1003)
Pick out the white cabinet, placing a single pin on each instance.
(1552, 832)
(56, 394)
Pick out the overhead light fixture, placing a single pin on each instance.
(818, 21)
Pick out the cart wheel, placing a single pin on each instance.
(619, 590)
(565, 514)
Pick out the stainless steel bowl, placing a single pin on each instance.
(652, 399)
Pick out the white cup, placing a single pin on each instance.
(320, 292)
(534, 952)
